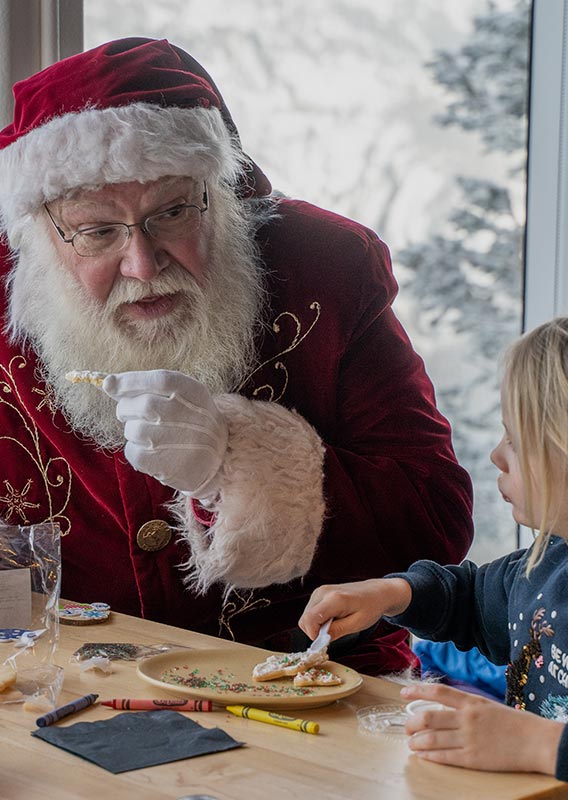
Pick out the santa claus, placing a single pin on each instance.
(264, 425)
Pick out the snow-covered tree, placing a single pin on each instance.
(488, 78)
(468, 279)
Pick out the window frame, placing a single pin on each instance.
(546, 232)
(546, 249)
(34, 34)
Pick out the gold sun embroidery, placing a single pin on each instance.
(15, 501)
(53, 476)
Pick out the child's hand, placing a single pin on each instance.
(354, 606)
(479, 733)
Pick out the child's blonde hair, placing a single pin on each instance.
(536, 392)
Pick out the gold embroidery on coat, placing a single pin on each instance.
(47, 398)
(276, 394)
(55, 473)
(16, 501)
(232, 608)
(241, 604)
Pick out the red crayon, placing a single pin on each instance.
(152, 705)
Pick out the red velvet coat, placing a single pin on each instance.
(337, 355)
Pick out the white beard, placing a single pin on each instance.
(210, 335)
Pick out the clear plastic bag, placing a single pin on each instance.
(122, 651)
(30, 579)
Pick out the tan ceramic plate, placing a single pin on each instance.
(225, 677)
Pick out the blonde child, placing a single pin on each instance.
(511, 608)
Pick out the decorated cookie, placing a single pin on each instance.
(12, 634)
(287, 665)
(20, 637)
(317, 677)
(86, 376)
(83, 613)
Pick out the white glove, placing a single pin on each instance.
(173, 429)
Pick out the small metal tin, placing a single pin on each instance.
(83, 613)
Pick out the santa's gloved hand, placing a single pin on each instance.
(172, 427)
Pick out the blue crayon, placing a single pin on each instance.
(64, 711)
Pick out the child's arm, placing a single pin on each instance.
(465, 604)
(482, 734)
(354, 606)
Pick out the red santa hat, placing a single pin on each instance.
(129, 110)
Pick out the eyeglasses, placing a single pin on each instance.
(178, 222)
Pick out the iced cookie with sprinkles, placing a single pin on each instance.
(85, 376)
(287, 665)
(317, 677)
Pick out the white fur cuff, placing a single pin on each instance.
(271, 507)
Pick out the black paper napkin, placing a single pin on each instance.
(138, 739)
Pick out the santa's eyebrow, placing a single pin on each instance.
(168, 194)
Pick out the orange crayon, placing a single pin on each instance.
(126, 704)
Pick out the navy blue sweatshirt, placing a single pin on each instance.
(512, 619)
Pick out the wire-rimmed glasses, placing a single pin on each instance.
(179, 221)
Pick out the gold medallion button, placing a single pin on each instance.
(154, 535)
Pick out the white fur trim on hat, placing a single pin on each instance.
(271, 509)
(86, 149)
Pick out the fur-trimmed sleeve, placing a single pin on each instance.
(270, 509)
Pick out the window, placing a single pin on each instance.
(411, 118)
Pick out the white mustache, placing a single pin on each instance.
(171, 280)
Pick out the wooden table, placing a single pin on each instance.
(338, 764)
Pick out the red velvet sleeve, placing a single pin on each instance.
(394, 488)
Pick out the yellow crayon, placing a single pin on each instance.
(271, 718)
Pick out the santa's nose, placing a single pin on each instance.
(142, 258)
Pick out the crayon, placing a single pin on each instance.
(64, 711)
(274, 719)
(152, 705)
